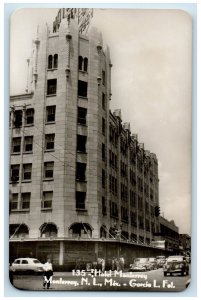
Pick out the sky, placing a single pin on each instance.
(151, 83)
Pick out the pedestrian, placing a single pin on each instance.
(48, 272)
(11, 272)
(121, 263)
(117, 264)
(78, 264)
(113, 263)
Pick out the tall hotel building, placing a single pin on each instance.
(81, 185)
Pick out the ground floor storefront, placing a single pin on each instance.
(65, 254)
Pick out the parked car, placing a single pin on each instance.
(161, 260)
(152, 263)
(176, 265)
(139, 264)
(27, 264)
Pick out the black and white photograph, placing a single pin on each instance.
(100, 137)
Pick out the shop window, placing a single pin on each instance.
(48, 230)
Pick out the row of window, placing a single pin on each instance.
(27, 171)
(53, 62)
(52, 87)
(29, 116)
(23, 202)
(17, 117)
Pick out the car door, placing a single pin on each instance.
(24, 265)
(17, 265)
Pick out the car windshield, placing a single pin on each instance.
(141, 260)
(175, 258)
(36, 261)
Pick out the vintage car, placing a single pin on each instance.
(28, 265)
(161, 260)
(139, 264)
(176, 265)
(152, 263)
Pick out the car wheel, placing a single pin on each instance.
(165, 274)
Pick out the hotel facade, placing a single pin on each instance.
(81, 184)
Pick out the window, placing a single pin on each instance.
(48, 169)
(15, 170)
(29, 118)
(28, 143)
(104, 207)
(85, 64)
(80, 171)
(50, 113)
(82, 114)
(50, 62)
(103, 101)
(81, 143)
(47, 200)
(80, 61)
(14, 202)
(16, 145)
(82, 88)
(25, 204)
(103, 178)
(52, 87)
(103, 77)
(82, 64)
(27, 171)
(18, 118)
(103, 152)
(25, 262)
(49, 141)
(55, 61)
(80, 200)
(103, 126)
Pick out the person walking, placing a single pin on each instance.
(48, 272)
(121, 263)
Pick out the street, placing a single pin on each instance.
(153, 280)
